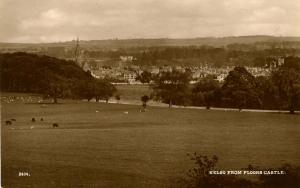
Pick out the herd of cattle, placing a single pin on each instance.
(33, 120)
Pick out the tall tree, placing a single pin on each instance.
(171, 87)
(145, 77)
(240, 90)
(205, 91)
(267, 92)
(145, 99)
(118, 98)
(104, 90)
(287, 83)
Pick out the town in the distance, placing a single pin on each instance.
(124, 61)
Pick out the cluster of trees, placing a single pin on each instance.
(97, 89)
(171, 87)
(280, 90)
(54, 78)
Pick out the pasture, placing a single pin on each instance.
(133, 93)
(115, 145)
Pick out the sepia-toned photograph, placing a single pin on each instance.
(150, 93)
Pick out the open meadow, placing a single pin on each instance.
(133, 93)
(116, 145)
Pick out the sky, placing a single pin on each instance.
(62, 20)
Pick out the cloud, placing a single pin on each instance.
(49, 18)
(36, 21)
(268, 15)
(242, 5)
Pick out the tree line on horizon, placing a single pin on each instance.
(234, 54)
(231, 55)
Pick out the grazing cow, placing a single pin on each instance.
(42, 119)
(13, 119)
(55, 125)
(33, 119)
(8, 122)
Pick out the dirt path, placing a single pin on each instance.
(157, 104)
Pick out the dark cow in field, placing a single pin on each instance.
(13, 119)
(55, 125)
(8, 122)
(33, 119)
(42, 119)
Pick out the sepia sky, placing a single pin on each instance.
(61, 20)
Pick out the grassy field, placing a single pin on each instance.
(133, 93)
(114, 145)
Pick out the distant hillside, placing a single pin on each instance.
(22, 72)
(124, 43)
(209, 41)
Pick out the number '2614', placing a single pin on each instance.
(24, 174)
